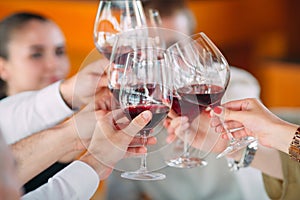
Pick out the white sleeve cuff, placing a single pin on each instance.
(76, 181)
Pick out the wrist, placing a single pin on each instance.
(281, 140)
(67, 93)
(101, 169)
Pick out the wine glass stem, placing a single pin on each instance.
(143, 167)
(229, 135)
(186, 152)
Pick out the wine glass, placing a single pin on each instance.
(145, 85)
(129, 41)
(114, 17)
(203, 76)
(211, 73)
(234, 144)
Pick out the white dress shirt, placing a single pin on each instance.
(29, 112)
(77, 181)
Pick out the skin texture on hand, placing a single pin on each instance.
(258, 121)
(81, 88)
(109, 145)
(199, 133)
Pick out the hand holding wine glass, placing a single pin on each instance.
(146, 86)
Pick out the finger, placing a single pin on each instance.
(98, 67)
(178, 121)
(226, 114)
(118, 114)
(231, 126)
(241, 105)
(215, 121)
(138, 141)
(103, 80)
(138, 123)
(180, 131)
(241, 133)
(167, 122)
(172, 114)
(170, 138)
(135, 151)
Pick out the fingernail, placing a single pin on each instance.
(146, 115)
(217, 110)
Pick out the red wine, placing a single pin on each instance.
(203, 94)
(120, 55)
(185, 108)
(159, 112)
(195, 98)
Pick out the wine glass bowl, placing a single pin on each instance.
(114, 17)
(134, 40)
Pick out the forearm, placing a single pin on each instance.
(282, 136)
(38, 151)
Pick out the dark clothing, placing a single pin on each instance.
(43, 177)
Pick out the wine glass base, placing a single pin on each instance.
(237, 145)
(185, 162)
(143, 176)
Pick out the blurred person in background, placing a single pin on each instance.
(32, 56)
(214, 181)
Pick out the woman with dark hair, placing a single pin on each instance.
(32, 56)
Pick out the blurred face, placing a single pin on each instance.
(177, 22)
(36, 57)
(9, 185)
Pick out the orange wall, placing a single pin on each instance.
(76, 19)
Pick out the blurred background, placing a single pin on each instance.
(261, 36)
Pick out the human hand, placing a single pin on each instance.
(109, 145)
(87, 84)
(200, 135)
(257, 121)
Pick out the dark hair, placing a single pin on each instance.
(7, 26)
(11, 23)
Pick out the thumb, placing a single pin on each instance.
(138, 123)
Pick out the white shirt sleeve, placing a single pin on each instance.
(30, 112)
(76, 181)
